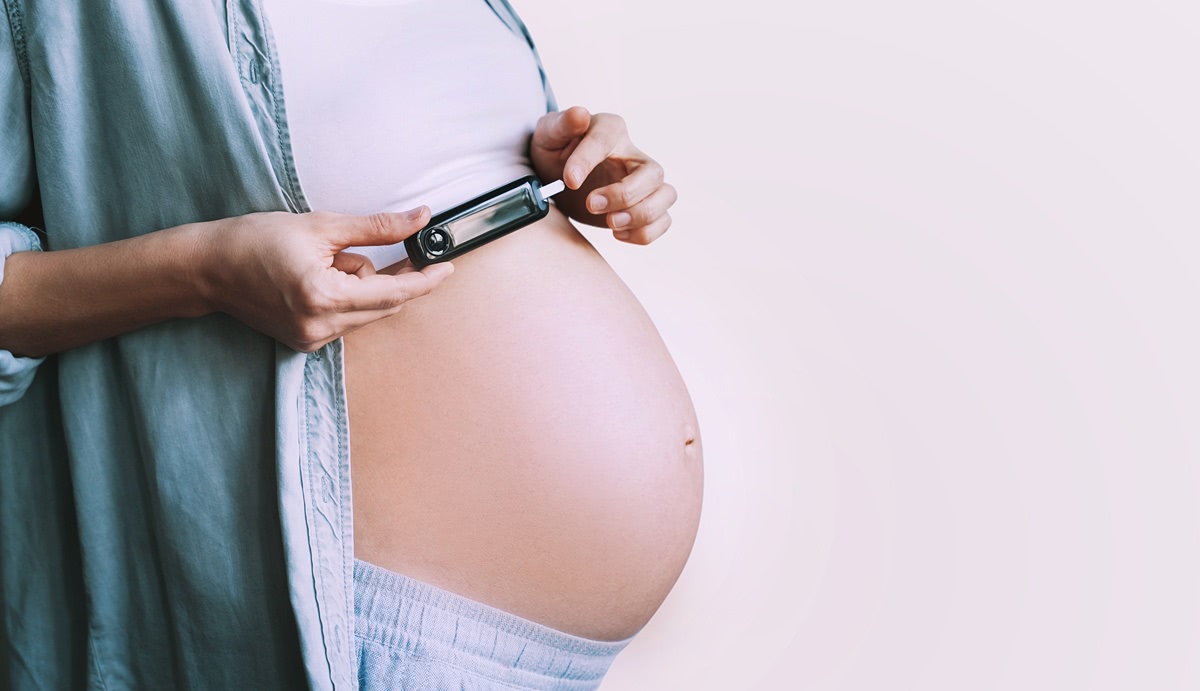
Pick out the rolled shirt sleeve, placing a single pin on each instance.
(16, 373)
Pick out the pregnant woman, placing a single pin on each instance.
(489, 479)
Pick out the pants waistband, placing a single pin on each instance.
(401, 612)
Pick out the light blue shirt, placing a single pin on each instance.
(174, 501)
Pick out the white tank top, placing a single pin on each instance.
(396, 103)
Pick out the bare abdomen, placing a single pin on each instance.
(522, 437)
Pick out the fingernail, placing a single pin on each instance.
(414, 214)
(621, 220)
(577, 176)
(598, 204)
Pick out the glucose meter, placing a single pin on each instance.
(479, 221)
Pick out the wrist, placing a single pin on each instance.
(196, 254)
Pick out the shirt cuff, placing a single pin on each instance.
(16, 373)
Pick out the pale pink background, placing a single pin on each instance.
(950, 388)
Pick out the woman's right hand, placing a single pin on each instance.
(288, 275)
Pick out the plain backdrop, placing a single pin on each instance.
(933, 285)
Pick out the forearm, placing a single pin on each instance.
(52, 301)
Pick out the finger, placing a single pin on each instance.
(636, 186)
(351, 263)
(645, 234)
(558, 129)
(403, 266)
(383, 291)
(600, 142)
(646, 211)
(346, 322)
(353, 321)
(383, 228)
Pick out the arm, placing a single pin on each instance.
(52, 301)
(283, 274)
(286, 275)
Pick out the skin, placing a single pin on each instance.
(286, 275)
(530, 443)
(290, 276)
(608, 517)
(522, 437)
(612, 183)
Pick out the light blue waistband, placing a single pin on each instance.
(412, 616)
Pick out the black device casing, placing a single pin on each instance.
(415, 243)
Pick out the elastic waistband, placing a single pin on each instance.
(405, 613)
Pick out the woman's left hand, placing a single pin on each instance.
(610, 182)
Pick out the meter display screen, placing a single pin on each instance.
(493, 213)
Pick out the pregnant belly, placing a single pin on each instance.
(522, 437)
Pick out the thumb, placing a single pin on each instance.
(382, 228)
(558, 129)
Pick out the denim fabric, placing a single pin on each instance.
(413, 636)
(174, 501)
